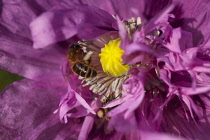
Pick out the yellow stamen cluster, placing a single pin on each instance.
(111, 59)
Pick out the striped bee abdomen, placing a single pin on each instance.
(84, 70)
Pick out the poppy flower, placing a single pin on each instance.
(120, 69)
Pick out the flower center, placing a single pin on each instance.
(111, 59)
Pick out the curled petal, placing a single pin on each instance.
(161, 19)
(193, 17)
(61, 24)
(187, 128)
(86, 127)
(31, 65)
(179, 41)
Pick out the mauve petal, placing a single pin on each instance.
(126, 9)
(73, 105)
(177, 124)
(36, 68)
(133, 135)
(148, 114)
(81, 112)
(52, 27)
(99, 135)
(133, 105)
(122, 124)
(158, 136)
(122, 33)
(190, 105)
(135, 53)
(161, 19)
(132, 48)
(179, 40)
(77, 101)
(123, 8)
(84, 103)
(117, 102)
(27, 113)
(86, 127)
(197, 90)
(135, 88)
(40, 6)
(203, 78)
(194, 17)
(201, 69)
(186, 61)
(18, 56)
(67, 103)
(16, 16)
(87, 22)
(52, 128)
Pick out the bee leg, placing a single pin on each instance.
(86, 58)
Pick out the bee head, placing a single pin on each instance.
(75, 53)
(74, 46)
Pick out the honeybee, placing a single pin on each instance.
(81, 61)
(82, 69)
(75, 53)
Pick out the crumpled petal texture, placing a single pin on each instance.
(145, 9)
(194, 17)
(181, 126)
(61, 24)
(16, 52)
(27, 113)
(33, 64)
